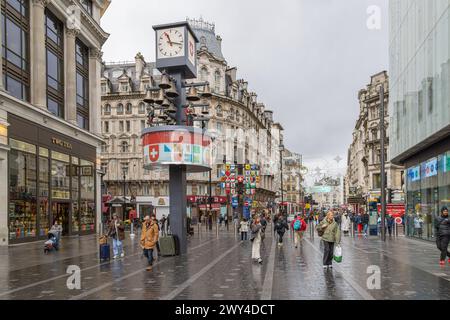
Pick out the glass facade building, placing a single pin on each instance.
(420, 104)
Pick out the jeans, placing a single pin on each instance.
(117, 247)
(365, 228)
(442, 245)
(243, 235)
(328, 251)
(148, 253)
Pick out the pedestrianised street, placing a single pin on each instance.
(220, 268)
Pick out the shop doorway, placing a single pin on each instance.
(60, 212)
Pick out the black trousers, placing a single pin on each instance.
(280, 237)
(442, 244)
(328, 251)
(243, 235)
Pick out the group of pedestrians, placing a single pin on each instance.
(149, 239)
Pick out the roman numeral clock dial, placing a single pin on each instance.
(171, 43)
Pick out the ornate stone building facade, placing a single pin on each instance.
(363, 179)
(50, 117)
(244, 130)
(292, 181)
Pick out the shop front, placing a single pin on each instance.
(51, 177)
(428, 191)
(199, 208)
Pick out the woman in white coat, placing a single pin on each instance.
(345, 223)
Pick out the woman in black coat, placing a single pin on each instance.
(442, 225)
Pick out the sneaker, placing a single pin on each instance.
(325, 267)
(122, 255)
(260, 261)
(442, 262)
(330, 267)
(115, 257)
(149, 268)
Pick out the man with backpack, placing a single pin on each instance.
(299, 227)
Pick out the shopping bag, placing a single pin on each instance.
(338, 254)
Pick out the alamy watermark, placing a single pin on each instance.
(374, 280)
(74, 280)
(374, 18)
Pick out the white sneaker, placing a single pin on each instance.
(122, 255)
(115, 257)
(260, 261)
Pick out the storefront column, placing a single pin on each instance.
(2, 88)
(71, 83)
(4, 232)
(38, 54)
(95, 60)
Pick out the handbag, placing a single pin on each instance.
(321, 230)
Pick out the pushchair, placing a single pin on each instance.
(52, 242)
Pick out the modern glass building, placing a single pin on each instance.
(419, 97)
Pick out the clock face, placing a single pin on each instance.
(170, 43)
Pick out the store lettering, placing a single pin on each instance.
(62, 143)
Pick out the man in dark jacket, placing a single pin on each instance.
(442, 225)
(280, 227)
(390, 224)
(365, 222)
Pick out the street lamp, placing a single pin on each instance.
(124, 174)
(281, 149)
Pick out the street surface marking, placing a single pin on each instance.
(63, 276)
(192, 279)
(268, 279)
(89, 292)
(364, 293)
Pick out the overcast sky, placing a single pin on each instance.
(306, 59)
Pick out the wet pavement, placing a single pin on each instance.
(220, 268)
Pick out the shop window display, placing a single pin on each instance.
(22, 190)
(60, 176)
(429, 198)
(428, 190)
(44, 218)
(87, 196)
(75, 195)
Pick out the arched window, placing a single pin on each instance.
(107, 109)
(129, 109)
(219, 111)
(141, 107)
(120, 108)
(204, 74)
(217, 79)
(124, 146)
(104, 147)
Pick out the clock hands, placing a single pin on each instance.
(168, 38)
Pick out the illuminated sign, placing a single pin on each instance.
(414, 174)
(180, 146)
(430, 168)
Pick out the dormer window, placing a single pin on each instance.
(217, 81)
(124, 87)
